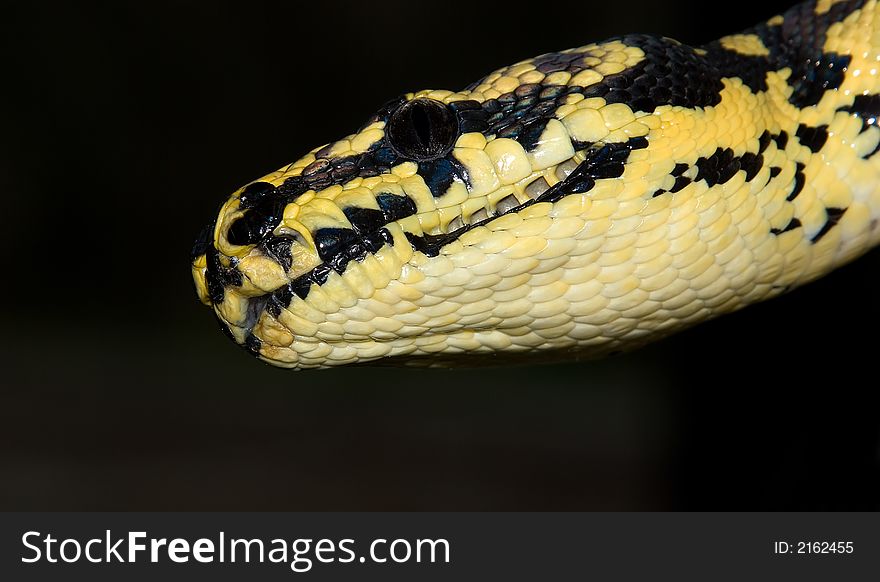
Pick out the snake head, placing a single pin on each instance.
(352, 222)
(393, 240)
(583, 201)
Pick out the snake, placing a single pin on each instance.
(569, 206)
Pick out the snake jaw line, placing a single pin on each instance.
(579, 203)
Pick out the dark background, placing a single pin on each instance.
(123, 128)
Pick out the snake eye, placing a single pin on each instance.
(423, 129)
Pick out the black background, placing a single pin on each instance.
(124, 125)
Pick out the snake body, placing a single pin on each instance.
(578, 203)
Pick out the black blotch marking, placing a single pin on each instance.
(764, 141)
(439, 174)
(356, 249)
(278, 247)
(252, 344)
(528, 109)
(774, 171)
(427, 244)
(581, 145)
(792, 224)
(385, 157)
(471, 115)
(388, 108)
(799, 180)
(797, 43)
(265, 213)
(396, 207)
(511, 113)
(815, 75)
(216, 292)
(376, 240)
(679, 169)
(465, 105)
(291, 189)
(364, 220)
(339, 246)
(607, 161)
(729, 170)
(492, 106)
(217, 276)
(750, 69)
(680, 182)
(670, 74)
(367, 167)
(723, 165)
(834, 215)
(336, 247)
(300, 286)
(867, 108)
(511, 131)
(329, 242)
(752, 164)
(781, 140)
(812, 137)
(717, 168)
(254, 193)
(320, 273)
(658, 193)
(202, 242)
(530, 135)
(279, 300)
(637, 143)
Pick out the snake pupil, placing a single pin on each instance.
(423, 129)
(422, 125)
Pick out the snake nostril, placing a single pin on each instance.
(240, 232)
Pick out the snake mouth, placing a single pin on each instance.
(289, 293)
(199, 264)
(237, 288)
